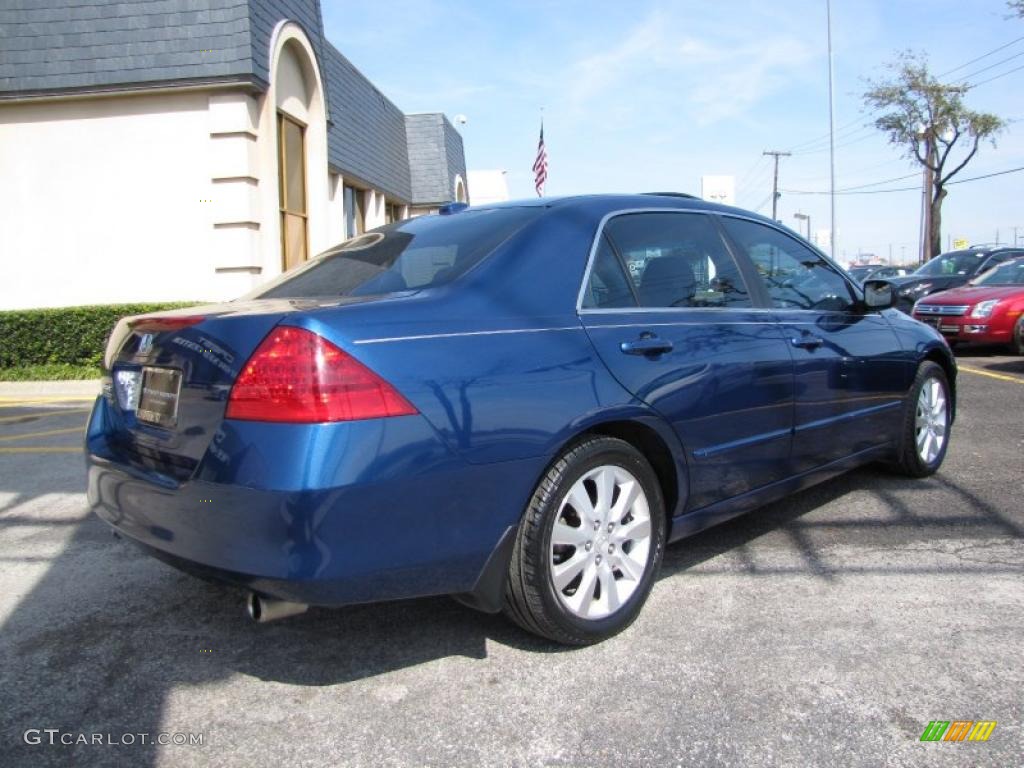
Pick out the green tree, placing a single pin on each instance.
(929, 122)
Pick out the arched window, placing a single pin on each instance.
(460, 190)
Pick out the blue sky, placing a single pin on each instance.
(649, 95)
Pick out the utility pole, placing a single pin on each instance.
(831, 133)
(776, 154)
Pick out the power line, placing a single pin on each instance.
(839, 130)
(853, 191)
(884, 164)
(878, 183)
(840, 136)
(979, 58)
(999, 63)
(858, 140)
(1004, 74)
(750, 170)
(763, 203)
(755, 184)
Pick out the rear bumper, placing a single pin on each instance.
(326, 515)
(967, 329)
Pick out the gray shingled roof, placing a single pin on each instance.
(366, 135)
(435, 157)
(61, 46)
(57, 45)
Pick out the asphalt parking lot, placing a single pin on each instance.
(828, 629)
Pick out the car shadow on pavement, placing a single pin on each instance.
(795, 518)
(1009, 366)
(102, 639)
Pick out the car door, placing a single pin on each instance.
(668, 310)
(849, 376)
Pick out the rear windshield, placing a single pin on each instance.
(408, 255)
(955, 263)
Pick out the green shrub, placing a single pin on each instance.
(62, 340)
(50, 372)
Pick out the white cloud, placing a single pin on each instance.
(668, 57)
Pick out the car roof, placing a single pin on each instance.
(608, 202)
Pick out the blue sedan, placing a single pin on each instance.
(518, 405)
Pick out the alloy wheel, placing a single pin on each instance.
(600, 542)
(931, 421)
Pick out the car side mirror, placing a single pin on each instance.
(878, 294)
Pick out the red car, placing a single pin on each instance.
(988, 310)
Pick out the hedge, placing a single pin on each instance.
(63, 339)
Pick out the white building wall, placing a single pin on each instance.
(106, 201)
(718, 189)
(167, 196)
(489, 186)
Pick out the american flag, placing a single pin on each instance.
(540, 165)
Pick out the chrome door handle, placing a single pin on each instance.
(806, 342)
(646, 345)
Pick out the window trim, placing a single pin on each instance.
(727, 244)
(283, 210)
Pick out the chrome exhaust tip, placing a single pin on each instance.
(263, 609)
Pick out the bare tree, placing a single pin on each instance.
(928, 120)
(1017, 7)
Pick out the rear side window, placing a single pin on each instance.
(404, 256)
(795, 276)
(673, 260)
(608, 287)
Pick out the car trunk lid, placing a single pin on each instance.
(169, 376)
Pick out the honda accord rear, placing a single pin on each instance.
(266, 442)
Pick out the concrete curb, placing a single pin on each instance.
(49, 389)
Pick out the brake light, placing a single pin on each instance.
(164, 324)
(297, 376)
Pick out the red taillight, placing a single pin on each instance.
(163, 324)
(296, 376)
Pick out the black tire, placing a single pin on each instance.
(530, 597)
(909, 461)
(1017, 345)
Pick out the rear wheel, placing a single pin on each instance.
(589, 546)
(926, 423)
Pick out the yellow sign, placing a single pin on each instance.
(960, 243)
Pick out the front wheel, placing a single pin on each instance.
(1018, 336)
(926, 423)
(589, 546)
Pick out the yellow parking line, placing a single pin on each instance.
(46, 415)
(42, 449)
(1000, 376)
(16, 401)
(47, 433)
